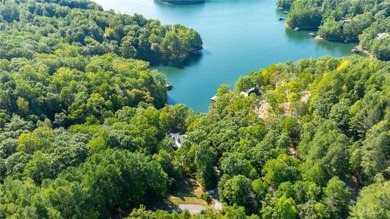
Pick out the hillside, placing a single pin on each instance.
(84, 124)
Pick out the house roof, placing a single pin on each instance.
(253, 90)
(177, 138)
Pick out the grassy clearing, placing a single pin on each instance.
(187, 191)
(187, 200)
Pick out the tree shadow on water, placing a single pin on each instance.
(192, 60)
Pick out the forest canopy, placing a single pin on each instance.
(83, 125)
(30, 28)
(317, 135)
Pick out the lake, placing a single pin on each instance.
(239, 36)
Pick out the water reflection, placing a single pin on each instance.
(190, 62)
(297, 36)
(302, 37)
(163, 5)
(170, 100)
(335, 46)
(169, 4)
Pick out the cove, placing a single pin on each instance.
(239, 36)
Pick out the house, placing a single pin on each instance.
(254, 90)
(177, 138)
(169, 86)
(214, 99)
(382, 35)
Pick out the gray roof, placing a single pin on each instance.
(177, 138)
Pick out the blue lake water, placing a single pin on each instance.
(239, 36)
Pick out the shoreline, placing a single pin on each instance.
(363, 51)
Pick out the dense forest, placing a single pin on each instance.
(83, 124)
(366, 22)
(32, 28)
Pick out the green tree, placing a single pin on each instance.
(286, 208)
(238, 190)
(373, 201)
(39, 167)
(375, 150)
(336, 198)
(279, 170)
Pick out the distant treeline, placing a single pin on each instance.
(43, 27)
(366, 22)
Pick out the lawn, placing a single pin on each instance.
(187, 191)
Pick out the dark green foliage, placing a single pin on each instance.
(284, 4)
(108, 179)
(238, 191)
(91, 31)
(336, 198)
(70, 96)
(83, 125)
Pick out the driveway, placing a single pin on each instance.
(217, 204)
(193, 209)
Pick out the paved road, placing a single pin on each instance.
(217, 204)
(193, 209)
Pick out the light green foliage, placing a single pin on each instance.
(373, 201)
(286, 208)
(82, 128)
(281, 169)
(322, 142)
(234, 211)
